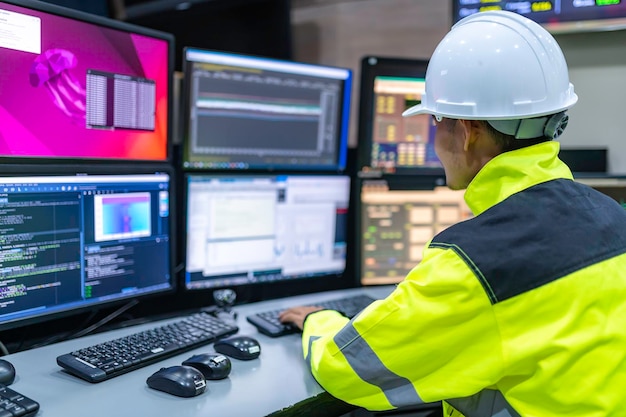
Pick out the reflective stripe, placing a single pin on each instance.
(308, 356)
(398, 390)
(487, 403)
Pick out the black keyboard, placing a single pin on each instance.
(14, 404)
(116, 357)
(267, 322)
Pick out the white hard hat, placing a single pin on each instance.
(496, 65)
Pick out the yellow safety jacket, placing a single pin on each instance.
(520, 310)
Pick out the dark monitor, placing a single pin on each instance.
(77, 242)
(585, 160)
(255, 27)
(388, 142)
(245, 229)
(397, 218)
(79, 86)
(556, 16)
(248, 112)
(97, 7)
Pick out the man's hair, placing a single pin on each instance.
(508, 142)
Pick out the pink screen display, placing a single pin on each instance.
(74, 89)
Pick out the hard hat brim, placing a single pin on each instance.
(417, 109)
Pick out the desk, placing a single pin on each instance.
(278, 383)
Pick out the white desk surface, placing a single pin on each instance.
(278, 380)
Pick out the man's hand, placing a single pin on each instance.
(296, 315)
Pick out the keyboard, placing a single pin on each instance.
(267, 322)
(14, 404)
(116, 357)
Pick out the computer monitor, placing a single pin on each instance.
(77, 242)
(254, 27)
(585, 160)
(247, 112)
(397, 218)
(555, 16)
(82, 87)
(98, 7)
(246, 229)
(387, 142)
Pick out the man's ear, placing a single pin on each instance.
(473, 131)
(468, 129)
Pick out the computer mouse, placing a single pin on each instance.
(212, 365)
(179, 380)
(7, 372)
(239, 347)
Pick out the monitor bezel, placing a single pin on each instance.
(115, 25)
(21, 170)
(260, 291)
(371, 68)
(344, 118)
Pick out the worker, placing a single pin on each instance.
(521, 309)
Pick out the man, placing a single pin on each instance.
(521, 310)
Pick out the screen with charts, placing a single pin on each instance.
(397, 223)
(75, 85)
(388, 142)
(250, 229)
(558, 16)
(245, 112)
(69, 242)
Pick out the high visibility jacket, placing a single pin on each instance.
(520, 310)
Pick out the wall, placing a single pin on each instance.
(597, 63)
(340, 32)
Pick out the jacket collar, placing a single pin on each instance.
(514, 171)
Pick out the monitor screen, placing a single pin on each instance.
(388, 142)
(71, 242)
(254, 229)
(245, 112)
(396, 224)
(557, 16)
(75, 85)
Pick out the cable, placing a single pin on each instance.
(3, 349)
(106, 319)
(179, 267)
(87, 330)
(58, 337)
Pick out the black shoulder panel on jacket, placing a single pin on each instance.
(537, 236)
